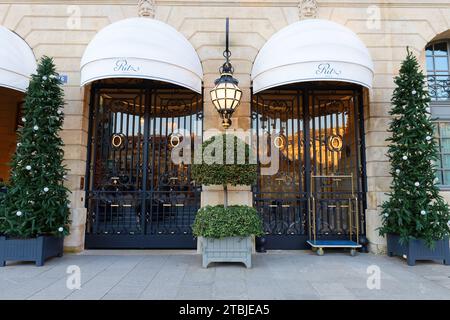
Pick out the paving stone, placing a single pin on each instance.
(296, 275)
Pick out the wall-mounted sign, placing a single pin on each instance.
(64, 78)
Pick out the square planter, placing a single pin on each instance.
(35, 249)
(230, 249)
(418, 250)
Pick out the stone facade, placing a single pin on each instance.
(62, 29)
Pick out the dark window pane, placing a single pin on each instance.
(429, 50)
(440, 49)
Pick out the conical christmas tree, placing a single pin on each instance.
(37, 201)
(415, 210)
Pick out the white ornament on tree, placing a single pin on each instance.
(414, 92)
(24, 120)
(60, 229)
(46, 189)
(35, 128)
(405, 158)
(19, 213)
(44, 78)
(397, 171)
(417, 184)
(28, 168)
(423, 212)
(428, 138)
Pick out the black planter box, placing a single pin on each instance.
(35, 249)
(418, 250)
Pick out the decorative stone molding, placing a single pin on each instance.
(307, 9)
(146, 8)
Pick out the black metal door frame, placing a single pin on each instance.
(296, 203)
(158, 209)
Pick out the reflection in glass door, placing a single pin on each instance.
(317, 132)
(136, 196)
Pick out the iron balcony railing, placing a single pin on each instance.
(439, 87)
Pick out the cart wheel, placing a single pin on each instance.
(319, 252)
(314, 249)
(353, 252)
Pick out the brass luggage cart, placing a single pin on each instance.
(348, 202)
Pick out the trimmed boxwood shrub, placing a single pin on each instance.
(206, 171)
(233, 221)
(209, 173)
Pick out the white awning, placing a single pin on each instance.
(17, 61)
(312, 50)
(142, 48)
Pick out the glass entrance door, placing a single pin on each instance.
(316, 133)
(137, 197)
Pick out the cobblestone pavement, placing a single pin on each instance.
(178, 275)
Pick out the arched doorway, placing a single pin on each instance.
(137, 197)
(307, 110)
(17, 63)
(145, 102)
(317, 129)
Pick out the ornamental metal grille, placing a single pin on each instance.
(317, 130)
(136, 196)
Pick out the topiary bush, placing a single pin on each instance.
(233, 221)
(225, 159)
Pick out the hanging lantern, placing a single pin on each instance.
(226, 95)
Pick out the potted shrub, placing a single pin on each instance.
(415, 218)
(34, 215)
(226, 231)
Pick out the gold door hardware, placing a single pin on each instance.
(179, 205)
(114, 205)
(273, 205)
(286, 206)
(173, 178)
(126, 205)
(331, 206)
(167, 205)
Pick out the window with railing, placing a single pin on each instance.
(437, 55)
(438, 76)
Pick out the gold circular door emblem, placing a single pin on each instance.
(175, 140)
(117, 140)
(279, 142)
(335, 143)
